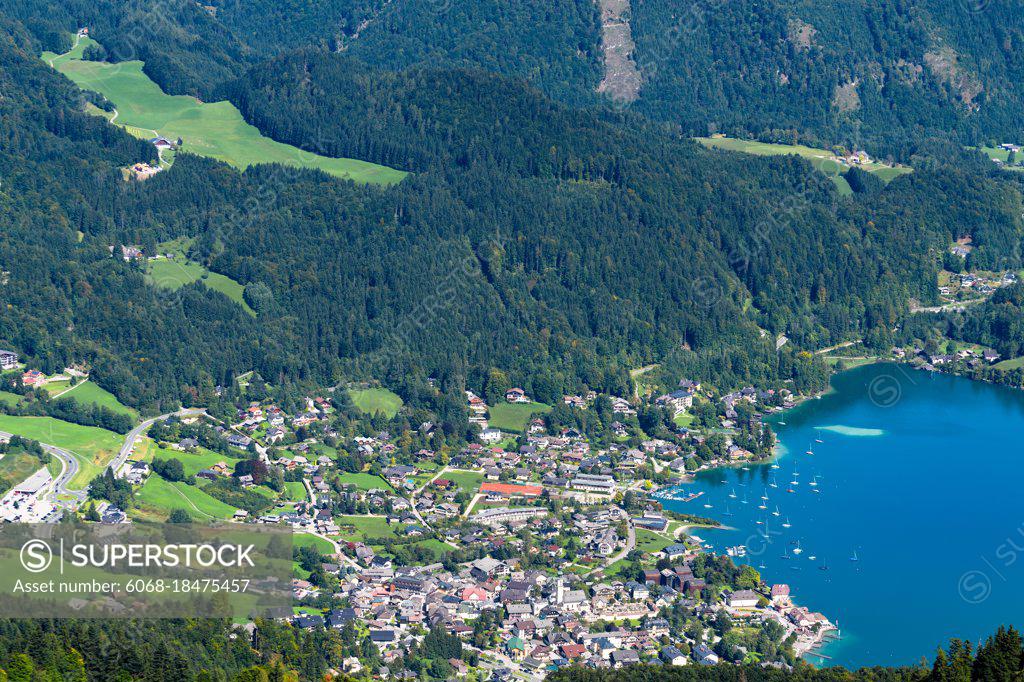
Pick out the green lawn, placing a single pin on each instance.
(373, 400)
(650, 542)
(1012, 363)
(159, 498)
(193, 462)
(819, 158)
(434, 545)
(9, 399)
(174, 274)
(362, 528)
(364, 481)
(88, 392)
(514, 416)
(307, 540)
(684, 419)
(55, 387)
(467, 480)
(214, 129)
(94, 447)
(296, 491)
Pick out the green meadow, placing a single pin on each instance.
(1004, 156)
(307, 540)
(93, 447)
(158, 498)
(821, 159)
(55, 387)
(296, 491)
(176, 273)
(192, 462)
(89, 393)
(214, 129)
(365, 528)
(364, 481)
(466, 480)
(514, 416)
(374, 400)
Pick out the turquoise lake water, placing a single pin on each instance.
(919, 476)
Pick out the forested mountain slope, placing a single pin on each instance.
(185, 50)
(561, 245)
(877, 75)
(552, 43)
(882, 75)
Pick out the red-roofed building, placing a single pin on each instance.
(511, 490)
(571, 651)
(33, 377)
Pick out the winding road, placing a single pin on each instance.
(129, 440)
(69, 461)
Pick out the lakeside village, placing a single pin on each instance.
(506, 557)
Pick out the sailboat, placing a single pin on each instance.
(762, 506)
(812, 558)
(765, 496)
(814, 481)
(727, 512)
(810, 449)
(854, 557)
(787, 524)
(745, 498)
(776, 512)
(824, 565)
(774, 483)
(707, 505)
(733, 494)
(797, 549)
(775, 466)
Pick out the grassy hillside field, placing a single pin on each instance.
(819, 158)
(174, 274)
(514, 416)
(214, 129)
(88, 392)
(94, 447)
(193, 462)
(373, 400)
(158, 498)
